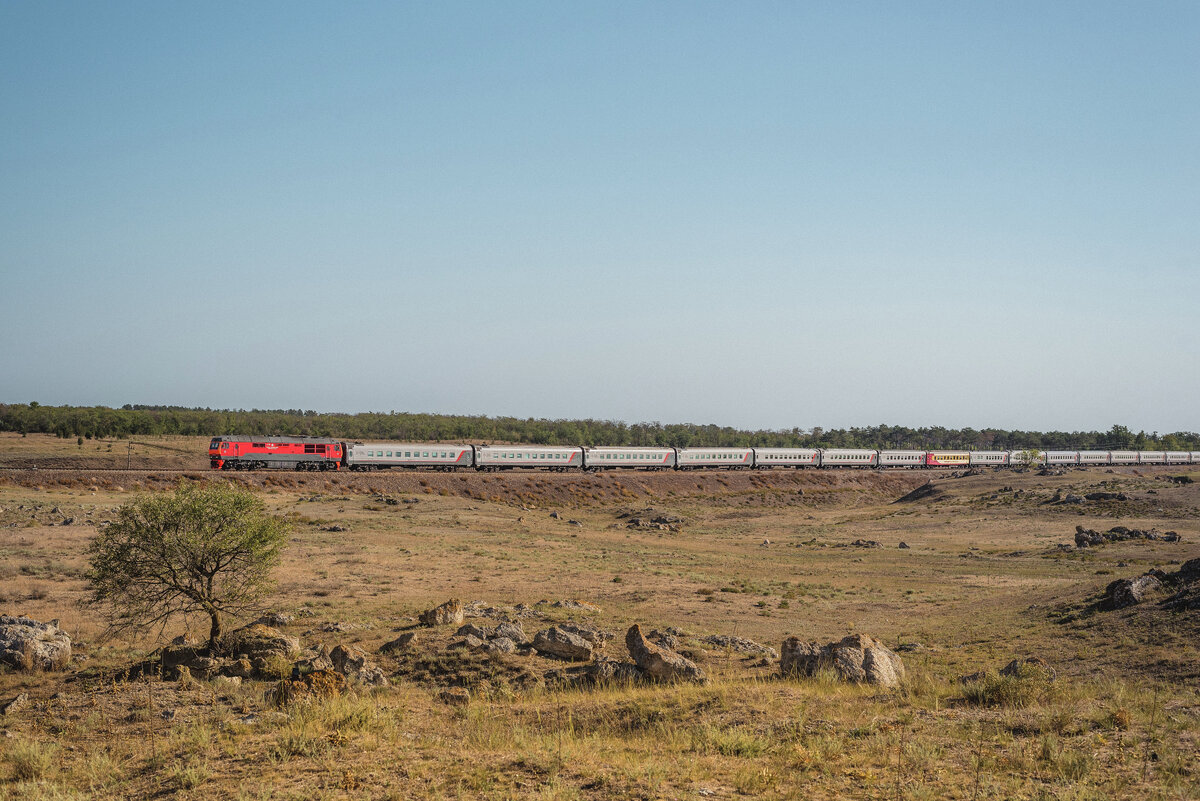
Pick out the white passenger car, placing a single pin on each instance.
(848, 457)
(537, 457)
(1124, 457)
(1177, 457)
(1195, 457)
(988, 458)
(902, 458)
(786, 457)
(1094, 457)
(422, 455)
(731, 458)
(1152, 457)
(629, 458)
(1062, 457)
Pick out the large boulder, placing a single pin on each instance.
(27, 644)
(260, 641)
(449, 613)
(857, 658)
(563, 644)
(657, 663)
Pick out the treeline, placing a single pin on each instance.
(101, 422)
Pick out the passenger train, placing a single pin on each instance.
(311, 453)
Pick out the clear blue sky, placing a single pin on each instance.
(763, 215)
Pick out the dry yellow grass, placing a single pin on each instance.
(980, 584)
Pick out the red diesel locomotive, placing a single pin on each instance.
(287, 453)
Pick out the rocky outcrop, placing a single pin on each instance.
(740, 644)
(29, 645)
(857, 658)
(657, 663)
(1087, 538)
(259, 641)
(562, 644)
(401, 643)
(449, 613)
(355, 665)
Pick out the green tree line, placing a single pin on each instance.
(102, 422)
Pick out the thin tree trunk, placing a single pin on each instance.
(214, 632)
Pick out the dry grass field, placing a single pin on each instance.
(757, 555)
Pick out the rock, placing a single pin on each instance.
(1128, 592)
(555, 515)
(739, 644)
(865, 544)
(449, 613)
(563, 644)
(473, 630)
(903, 545)
(275, 619)
(336, 627)
(230, 681)
(660, 664)
(501, 645)
(571, 603)
(315, 685)
(455, 696)
(354, 664)
(399, 644)
(1086, 537)
(14, 704)
(512, 631)
(258, 640)
(1071, 498)
(240, 668)
(574, 523)
(470, 642)
(29, 645)
(317, 662)
(857, 658)
(335, 528)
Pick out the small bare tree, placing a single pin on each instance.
(206, 548)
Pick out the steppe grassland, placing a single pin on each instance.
(980, 584)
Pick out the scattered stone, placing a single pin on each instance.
(401, 643)
(337, 627)
(571, 603)
(354, 664)
(660, 664)
(865, 544)
(14, 704)
(275, 619)
(857, 658)
(740, 644)
(512, 631)
(455, 696)
(473, 630)
(1180, 479)
(334, 528)
(556, 515)
(562, 644)
(1128, 592)
(765, 543)
(30, 645)
(574, 523)
(1106, 496)
(449, 613)
(501, 645)
(470, 642)
(903, 545)
(910, 647)
(231, 681)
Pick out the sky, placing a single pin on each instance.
(758, 214)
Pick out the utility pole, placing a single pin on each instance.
(129, 455)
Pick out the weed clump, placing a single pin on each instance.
(1021, 686)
